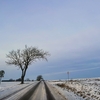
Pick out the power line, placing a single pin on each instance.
(70, 71)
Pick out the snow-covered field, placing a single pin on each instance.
(8, 88)
(80, 89)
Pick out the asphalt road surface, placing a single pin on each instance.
(43, 91)
(38, 91)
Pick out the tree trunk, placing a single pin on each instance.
(22, 79)
(0, 80)
(23, 75)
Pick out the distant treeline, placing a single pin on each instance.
(12, 80)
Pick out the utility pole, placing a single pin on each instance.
(68, 75)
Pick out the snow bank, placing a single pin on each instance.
(81, 89)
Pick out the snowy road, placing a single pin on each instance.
(42, 91)
(32, 91)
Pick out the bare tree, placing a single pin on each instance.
(24, 58)
(2, 72)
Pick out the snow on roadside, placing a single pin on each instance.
(7, 85)
(81, 89)
(19, 94)
(7, 88)
(67, 94)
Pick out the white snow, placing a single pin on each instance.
(7, 88)
(80, 89)
(77, 89)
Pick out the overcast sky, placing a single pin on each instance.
(68, 29)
